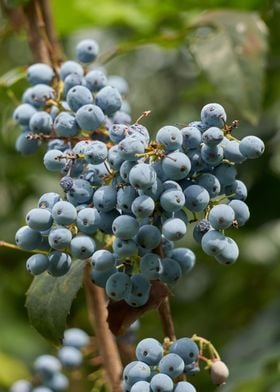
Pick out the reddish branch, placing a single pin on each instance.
(36, 42)
(56, 52)
(166, 319)
(96, 304)
(165, 311)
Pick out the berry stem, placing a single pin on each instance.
(166, 319)
(15, 247)
(204, 342)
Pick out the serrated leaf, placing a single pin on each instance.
(11, 369)
(230, 47)
(49, 299)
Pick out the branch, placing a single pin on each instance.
(15, 16)
(56, 52)
(36, 42)
(166, 319)
(96, 304)
(164, 309)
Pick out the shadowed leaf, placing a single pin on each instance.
(49, 300)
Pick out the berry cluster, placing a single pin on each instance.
(164, 368)
(47, 368)
(143, 193)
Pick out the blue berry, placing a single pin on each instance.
(141, 386)
(66, 183)
(64, 213)
(176, 165)
(118, 286)
(150, 351)
(82, 247)
(197, 198)
(87, 51)
(105, 198)
(170, 271)
(251, 147)
(40, 73)
(109, 100)
(174, 229)
(170, 137)
(213, 136)
(70, 357)
(54, 160)
(39, 219)
(95, 80)
(96, 152)
(142, 176)
(149, 236)
(23, 113)
(172, 365)
(70, 67)
(229, 253)
(78, 96)
(59, 237)
(213, 115)
(37, 264)
(241, 211)
(75, 337)
(103, 260)
(41, 122)
(138, 371)
(89, 117)
(88, 220)
(184, 386)
(150, 266)
(221, 216)
(47, 365)
(213, 242)
(185, 257)
(191, 137)
(186, 349)
(59, 263)
(125, 227)
(27, 238)
(48, 200)
(124, 248)
(161, 383)
(65, 124)
(25, 145)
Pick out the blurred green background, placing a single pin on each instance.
(177, 55)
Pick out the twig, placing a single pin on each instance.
(51, 33)
(165, 310)
(5, 244)
(96, 304)
(166, 319)
(37, 44)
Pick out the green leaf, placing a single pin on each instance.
(12, 77)
(11, 369)
(49, 300)
(230, 47)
